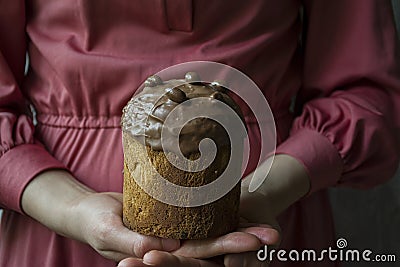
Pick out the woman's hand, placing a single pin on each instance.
(286, 183)
(250, 204)
(210, 252)
(97, 218)
(61, 203)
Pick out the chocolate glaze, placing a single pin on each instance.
(145, 113)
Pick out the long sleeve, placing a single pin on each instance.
(21, 156)
(347, 132)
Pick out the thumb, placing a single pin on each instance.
(131, 243)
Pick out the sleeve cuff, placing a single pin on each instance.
(318, 155)
(18, 167)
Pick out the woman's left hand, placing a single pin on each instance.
(231, 250)
(250, 212)
(226, 250)
(286, 182)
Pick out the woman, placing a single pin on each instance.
(87, 58)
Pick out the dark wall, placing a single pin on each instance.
(370, 219)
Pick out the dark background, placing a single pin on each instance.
(370, 219)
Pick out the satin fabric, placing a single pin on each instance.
(88, 57)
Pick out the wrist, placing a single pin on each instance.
(49, 196)
(287, 181)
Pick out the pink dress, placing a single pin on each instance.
(88, 57)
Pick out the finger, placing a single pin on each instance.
(248, 259)
(131, 262)
(165, 259)
(116, 196)
(112, 235)
(235, 242)
(135, 244)
(115, 236)
(266, 234)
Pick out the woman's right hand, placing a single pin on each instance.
(96, 219)
(61, 203)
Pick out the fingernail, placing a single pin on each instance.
(148, 260)
(271, 238)
(170, 244)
